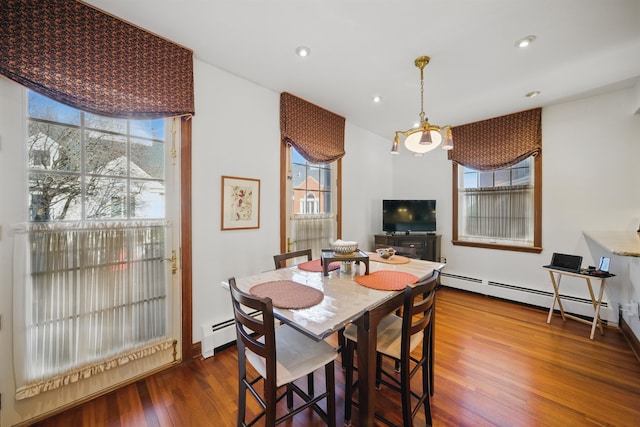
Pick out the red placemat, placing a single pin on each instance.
(315, 265)
(396, 259)
(288, 294)
(387, 280)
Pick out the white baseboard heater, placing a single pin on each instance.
(219, 335)
(535, 297)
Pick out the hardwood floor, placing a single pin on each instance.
(497, 364)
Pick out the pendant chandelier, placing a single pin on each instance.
(425, 137)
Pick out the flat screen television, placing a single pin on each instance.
(409, 216)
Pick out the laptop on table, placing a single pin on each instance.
(564, 262)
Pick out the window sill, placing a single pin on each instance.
(485, 245)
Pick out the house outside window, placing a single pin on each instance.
(311, 186)
(80, 164)
(311, 199)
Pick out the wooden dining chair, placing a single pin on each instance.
(280, 258)
(398, 337)
(280, 355)
(279, 262)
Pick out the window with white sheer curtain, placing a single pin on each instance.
(312, 220)
(497, 206)
(88, 265)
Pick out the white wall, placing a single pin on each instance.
(236, 132)
(590, 177)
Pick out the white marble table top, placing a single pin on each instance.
(344, 299)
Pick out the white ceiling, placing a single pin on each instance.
(362, 48)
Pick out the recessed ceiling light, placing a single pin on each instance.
(377, 99)
(532, 94)
(525, 41)
(303, 51)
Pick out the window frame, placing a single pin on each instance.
(285, 196)
(537, 220)
(77, 222)
(86, 130)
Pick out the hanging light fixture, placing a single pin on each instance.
(425, 137)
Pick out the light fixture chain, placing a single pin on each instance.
(421, 95)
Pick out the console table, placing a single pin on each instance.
(427, 245)
(556, 276)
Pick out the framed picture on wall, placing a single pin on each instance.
(240, 203)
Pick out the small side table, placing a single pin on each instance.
(328, 256)
(556, 276)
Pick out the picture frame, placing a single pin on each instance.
(240, 203)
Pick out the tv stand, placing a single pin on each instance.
(427, 245)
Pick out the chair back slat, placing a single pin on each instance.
(418, 306)
(279, 260)
(249, 328)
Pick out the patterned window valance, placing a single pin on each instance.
(316, 133)
(85, 58)
(498, 143)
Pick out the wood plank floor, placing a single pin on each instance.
(497, 364)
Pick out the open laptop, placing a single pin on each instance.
(564, 262)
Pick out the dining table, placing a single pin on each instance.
(345, 301)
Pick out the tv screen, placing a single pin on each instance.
(409, 216)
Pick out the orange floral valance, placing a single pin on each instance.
(499, 142)
(316, 133)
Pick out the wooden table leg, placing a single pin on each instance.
(367, 341)
(596, 308)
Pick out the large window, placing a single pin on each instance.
(312, 200)
(497, 208)
(87, 167)
(89, 260)
(311, 186)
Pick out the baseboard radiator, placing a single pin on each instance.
(219, 335)
(534, 297)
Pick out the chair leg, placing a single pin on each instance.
(242, 391)
(426, 391)
(289, 392)
(405, 393)
(378, 370)
(310, 384)
(341, 344)
(431, 336)
(347, 361)
(270, 393)
(330, 376)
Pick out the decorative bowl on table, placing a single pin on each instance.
(386, 253)
(343, 247)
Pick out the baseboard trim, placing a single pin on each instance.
(196, 350)
(631, 338)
